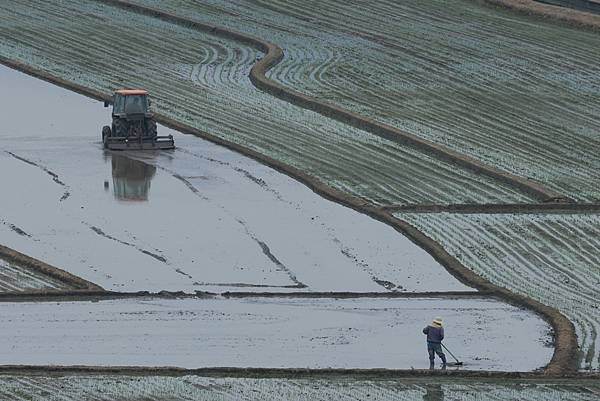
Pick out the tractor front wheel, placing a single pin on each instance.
(106, 133)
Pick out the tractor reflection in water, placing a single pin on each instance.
(131, 178)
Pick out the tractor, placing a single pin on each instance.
(133, 125)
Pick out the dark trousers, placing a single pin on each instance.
(435, 348)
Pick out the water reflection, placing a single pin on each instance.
(434, 392)
(131, 178)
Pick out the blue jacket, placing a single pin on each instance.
(434, 334)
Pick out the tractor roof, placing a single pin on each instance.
(131, 92)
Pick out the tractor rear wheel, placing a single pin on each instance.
(151, 129)
(106, 133)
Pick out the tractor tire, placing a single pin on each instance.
(106, 133)
(151, 129)
(120, 127)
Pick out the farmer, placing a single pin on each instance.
(435, 335)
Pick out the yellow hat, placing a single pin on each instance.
(437, 322)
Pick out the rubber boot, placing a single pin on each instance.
(444, 362)
(431, 364)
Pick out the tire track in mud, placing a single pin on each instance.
(54, 176)
(15, 228)
(157, 256)
(261, 183)
(110, 237)
(153, 255)
(267, 252)
(262, 245)
(258, 181)
(347, 252)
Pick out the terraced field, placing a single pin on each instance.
(202, 80)
(497, 89)
(514, 92)
(552, 258)
(14, 278)
(161, 388)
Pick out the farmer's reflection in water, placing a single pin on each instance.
(433, 392)
(131, 178)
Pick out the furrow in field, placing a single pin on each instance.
(202, 80)
(514, 92)
(551, 258)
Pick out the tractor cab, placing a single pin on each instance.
(131, 104)
(133, 125)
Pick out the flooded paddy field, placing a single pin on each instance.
(552, 258)
(197, 218)
(513, 91)
(202, 80)
(197, 388)
(269, 333)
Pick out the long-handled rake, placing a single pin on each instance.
(457, 363)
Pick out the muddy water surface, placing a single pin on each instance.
(199, 217)
(299, 333)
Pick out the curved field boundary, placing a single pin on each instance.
(521, 208)
(284, 373)
(274, 54)
(37, 265)
(568, 16)
(564, 359)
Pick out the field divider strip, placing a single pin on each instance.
(564, 359)
(517, 208)
(273, 56)
(88, 295)
(29, 263)
(282, 373)
(577, 18)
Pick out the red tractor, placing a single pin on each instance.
(133, 125)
